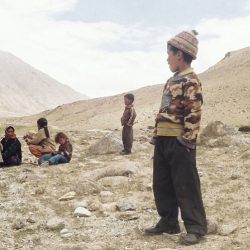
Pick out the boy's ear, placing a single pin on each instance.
(179, 54)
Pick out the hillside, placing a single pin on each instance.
(226, 91)
(25, 90)
(226, 88)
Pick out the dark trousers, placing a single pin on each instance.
(176, 183)
(127, 138)
(12, 161)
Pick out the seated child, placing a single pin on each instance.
(63, 155)
(40, 143)
(10, 146)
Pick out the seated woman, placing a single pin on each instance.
(11, 148)
(40, 143)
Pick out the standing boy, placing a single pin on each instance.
(127, 122)
(176, 182)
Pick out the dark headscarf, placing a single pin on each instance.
(7, 136)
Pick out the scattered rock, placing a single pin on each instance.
(227, 229)
(55, 224)
(214, 129)
(82, 212)
(245, 155)
(108, 207)
(87, 187)
(68, 196)
(126, 204)
(94, 205)
(31, 220)
(244, 129)
(18, 224)
(39, 190)
(128, 215)
(235, 176)
(124, 168)
(65, 233)
(22, 178)
(83, 203)
(149, 187)
(110, 143)
(212, 227)
(106, 196)
(113, 181)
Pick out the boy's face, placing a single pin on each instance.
(174, 60)
(61, 141)
(127, 101)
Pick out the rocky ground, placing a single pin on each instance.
(103, 201)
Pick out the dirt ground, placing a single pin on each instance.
(30, 195)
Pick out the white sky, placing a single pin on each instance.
(105, 47)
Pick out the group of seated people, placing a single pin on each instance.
(40, 145)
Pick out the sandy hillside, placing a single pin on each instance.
(25, 90)
(226, 91)
(43, 208)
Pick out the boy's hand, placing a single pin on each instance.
(129, 125)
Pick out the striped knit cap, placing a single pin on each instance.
(186, 41)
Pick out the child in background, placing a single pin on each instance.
(127, 122)
(63, 155)
(40, 143)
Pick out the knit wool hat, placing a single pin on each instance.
(186, 41)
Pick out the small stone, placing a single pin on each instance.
(128, 215)
(31, 220)
(94, 205)
(39, 190)
(149, 187)
(108, 207)
(126, 204)
(106, 196)
(82, 212)
(234, 177)
(18, 224)
(55, 224)
(64, 231)
(22, 178)
(226, 229)
(82, 203)
(211, 227)
(68, 235)
(68, 196)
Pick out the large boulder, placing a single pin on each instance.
(217, 134)
(108, 144)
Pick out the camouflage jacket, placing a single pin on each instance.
(181, 105)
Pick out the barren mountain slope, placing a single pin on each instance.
(226, 88)
(25, 90)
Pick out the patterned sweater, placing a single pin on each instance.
(181, 108)
(128, 116)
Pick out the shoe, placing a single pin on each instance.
(190, 239)
(156, 230)
(44, 164)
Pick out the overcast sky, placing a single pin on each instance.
(105, 47)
